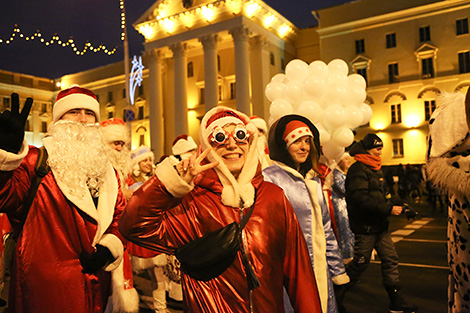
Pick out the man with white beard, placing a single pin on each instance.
(68, 242)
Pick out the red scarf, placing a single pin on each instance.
(375, 162)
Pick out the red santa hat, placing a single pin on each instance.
(294, 130)
(259, 123)
(182, 144)
(115, 129)
(75, 97)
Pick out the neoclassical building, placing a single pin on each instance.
(202, 53)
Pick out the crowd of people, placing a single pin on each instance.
(250, 219)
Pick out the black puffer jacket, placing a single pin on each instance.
(368, 207)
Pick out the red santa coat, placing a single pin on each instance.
(46, 275)
(166, 215)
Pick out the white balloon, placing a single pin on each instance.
(311, 110)
(297, 70)
(314, 86)
(334, 115)
(366, 113)
(356, 95)
(279, 108)
(293, 92)
(318, 68)
(332, 151)
(336, 94)
(271, 120)
(354, 116)
(343, 137)
(280, 78)
(357, 80)
(339, 67)
(324, 134)
(274, 90)
(335, 79)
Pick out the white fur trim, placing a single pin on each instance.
(114, 244)
(234, 190)
(341, 279)
(183, 146)
(75, 101)
(260, 124)
(122, 299)
(448, 178)
(172, 181)
(115, 132)
(11, 161)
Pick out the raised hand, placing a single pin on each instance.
(190, 168)
(12, 124)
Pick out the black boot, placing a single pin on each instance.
(340, 291)
(398, 303)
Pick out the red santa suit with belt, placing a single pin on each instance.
(47, 275)
(166, 213)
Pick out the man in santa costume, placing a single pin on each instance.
(199, 195)
(68, 241)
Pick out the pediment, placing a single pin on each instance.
(426, 48)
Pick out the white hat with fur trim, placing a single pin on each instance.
(260, 123)
(182, 144)
(114, 129)
(75, 97)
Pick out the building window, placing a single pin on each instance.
(397, 148)
(141, 113)
(393, 73)
(124, 115)
(390, 41)
(110, 114)
(396, 113)
(424, 34)
(429, 107)
(233, 93)
(141, 90)
(462, 26)
(427, 68)
(124, 93)
(6, 103)
(283, 65)
(27, 126)
(141, 140)
(201, 96)
(218, 63)
(190, 69)
(43, 107)
(271, 57)
(220, 93)
(360, 46)
(44, 127)
(464, 62)
(110, 96)
(362, 72)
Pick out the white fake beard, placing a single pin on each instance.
(78, 157)
(120, 160)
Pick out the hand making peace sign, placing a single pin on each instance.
(190, 168)
(12, 124)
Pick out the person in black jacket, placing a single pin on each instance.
(368, 208)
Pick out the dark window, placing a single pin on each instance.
(362, 72)
(427, 68)
(44, 127)
(396, 113)
(360, 46)
(141, 140)
(44, 107)
(141, 113)
(271, 56)
(233, 94)
(124, 115)
(27, 126)
(190, 69)
(424, 34)
(220, 93)
(6, 103)
(110, 96)
(429, 107)
(141, 90)
(464, 62)
(218, 63)
(398, 148)
(462, 26)
(124, 93)
(201, 96)
(283, 66)
(391, 40)
(110, 114)
(393, 73)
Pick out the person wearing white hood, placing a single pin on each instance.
(219, 188)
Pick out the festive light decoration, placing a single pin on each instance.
(87, 47)
(136, 77)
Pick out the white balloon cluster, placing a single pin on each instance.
(325, 94)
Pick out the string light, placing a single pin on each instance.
(88, 47)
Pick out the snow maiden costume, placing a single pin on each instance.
(306, 196)
(448, 166)
(167, 213)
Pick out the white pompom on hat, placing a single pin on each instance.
(182, 144)
(115, 129)
(75, 97)
(259, 123)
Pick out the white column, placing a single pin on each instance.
(181, 92)
(156, 103)
(260, 76)
(242, 69)
(211, 90)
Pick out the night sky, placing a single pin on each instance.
(97, 22)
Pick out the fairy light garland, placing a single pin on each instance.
(55, 39)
